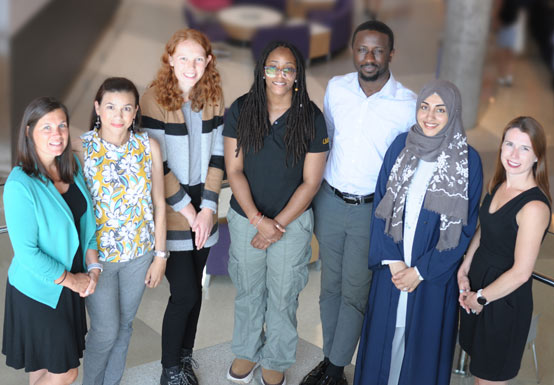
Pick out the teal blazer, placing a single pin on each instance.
(43, 234)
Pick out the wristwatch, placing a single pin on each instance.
(161, 254)
(480, 299)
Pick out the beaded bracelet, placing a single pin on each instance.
(260, 221)
(254, 217)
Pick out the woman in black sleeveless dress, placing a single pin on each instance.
(495, 277)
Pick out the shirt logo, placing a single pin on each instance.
(326, 141)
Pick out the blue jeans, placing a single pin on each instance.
(112, 308)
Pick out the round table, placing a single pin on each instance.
(242, 21)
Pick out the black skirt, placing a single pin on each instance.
(39, 337)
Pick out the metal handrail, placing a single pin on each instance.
(543, 278)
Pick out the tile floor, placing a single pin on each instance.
(131, 46)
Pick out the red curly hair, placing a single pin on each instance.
(208, 88)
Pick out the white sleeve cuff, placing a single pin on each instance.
(418, 274)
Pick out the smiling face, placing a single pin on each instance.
(283, 61)
(189, 61)
(517, 155)
(116, 110)
(50, 135)
(432, 115)
(372, 55)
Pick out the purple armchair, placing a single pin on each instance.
(339, 19)
(297, 34)
(219, 253)
(210, 28)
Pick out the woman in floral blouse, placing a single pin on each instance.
(124, 173)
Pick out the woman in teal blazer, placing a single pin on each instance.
(51, 226)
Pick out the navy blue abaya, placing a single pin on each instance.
(432, 313)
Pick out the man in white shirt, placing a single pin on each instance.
(364, 112)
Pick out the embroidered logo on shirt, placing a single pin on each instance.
(326, 141)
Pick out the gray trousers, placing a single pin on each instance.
(342, 231)
(111, 309)
(268, 283)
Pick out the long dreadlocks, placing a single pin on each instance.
(253, 123)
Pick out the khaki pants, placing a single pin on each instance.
(268, 283)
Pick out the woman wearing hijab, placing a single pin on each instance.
(426, 204)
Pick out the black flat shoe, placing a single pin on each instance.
(316, 374)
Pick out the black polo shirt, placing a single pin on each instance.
(272, 182)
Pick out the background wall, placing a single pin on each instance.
(48, 42)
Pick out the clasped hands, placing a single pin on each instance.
(82, 283)
(468, 298)
(405, 278)
(200, 222)
(269, 231)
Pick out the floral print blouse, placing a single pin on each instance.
(119, 179)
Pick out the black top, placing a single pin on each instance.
(498, 236)
(272, 182)
(78, 205)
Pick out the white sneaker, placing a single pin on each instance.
(244, 379)
(283, 382)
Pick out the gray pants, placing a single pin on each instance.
(111, 309)
(342, 231)
(268, 283)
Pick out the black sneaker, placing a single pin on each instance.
(329, 380)
(316, 374)
(187, 365)
(171, 376)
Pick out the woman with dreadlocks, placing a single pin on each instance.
(275, 150)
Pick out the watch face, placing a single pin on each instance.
(481, 301)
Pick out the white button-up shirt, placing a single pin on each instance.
(361, 129)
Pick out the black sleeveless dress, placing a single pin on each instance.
(495, 339)
(39, 337)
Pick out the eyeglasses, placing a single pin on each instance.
(271, 71)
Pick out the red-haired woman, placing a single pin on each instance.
(495, 277)
(183, 110)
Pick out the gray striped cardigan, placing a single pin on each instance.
(169, 129)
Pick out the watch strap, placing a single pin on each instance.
(161, 254)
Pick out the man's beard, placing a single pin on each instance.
(369, 78)
(373, 78)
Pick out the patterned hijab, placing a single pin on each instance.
(447, 191)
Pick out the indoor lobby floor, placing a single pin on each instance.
(132, 45)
